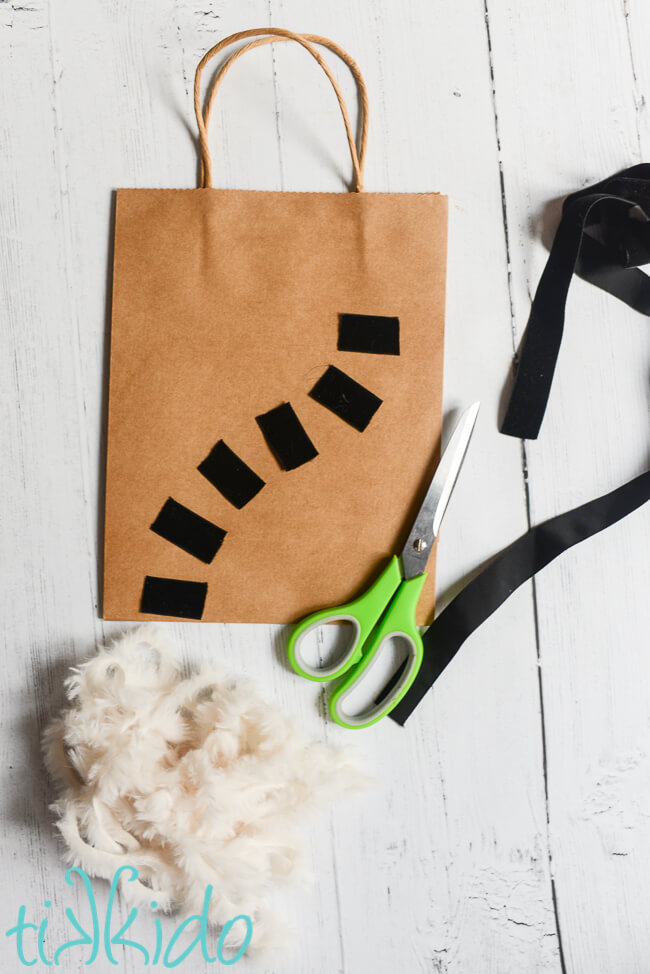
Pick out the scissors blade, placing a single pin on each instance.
(417, 549)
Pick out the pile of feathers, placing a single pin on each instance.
(193, 780)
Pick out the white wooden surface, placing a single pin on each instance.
(508, 827)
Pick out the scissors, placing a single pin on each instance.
(386, 611)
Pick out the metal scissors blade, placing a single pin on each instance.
(425, 528)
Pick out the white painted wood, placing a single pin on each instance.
(440, 877)
(444, 865)
(570, 107)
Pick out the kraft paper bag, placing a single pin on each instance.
(227, 306)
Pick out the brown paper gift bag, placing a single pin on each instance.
(226, 305)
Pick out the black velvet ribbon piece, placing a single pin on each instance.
(286, 437)
(346, 397)
(371, 334)
(603, 236)
(230, 475)
(189, 531)
(173, 597)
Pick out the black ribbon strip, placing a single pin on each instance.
(604, 235)
(188, 530)
(372, 334)
(230, 475)
(286, 437)
(510, 569)
(346, 397)
(173, 597)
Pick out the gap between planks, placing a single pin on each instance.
(524, 473)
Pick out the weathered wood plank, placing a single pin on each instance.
(571, 111)
(455, 874)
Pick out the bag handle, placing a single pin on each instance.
(271, 34)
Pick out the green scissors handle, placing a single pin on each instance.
(389, 596)
(386, 612)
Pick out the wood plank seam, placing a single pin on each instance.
(524, 472)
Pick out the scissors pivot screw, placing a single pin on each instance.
(420, 545)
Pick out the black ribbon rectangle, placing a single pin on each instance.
(286, 437)
(373, 334)
(189, 531)
(230, 475)
(346, 397)
(173, 597)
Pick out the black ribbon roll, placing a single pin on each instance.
(604, 237)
